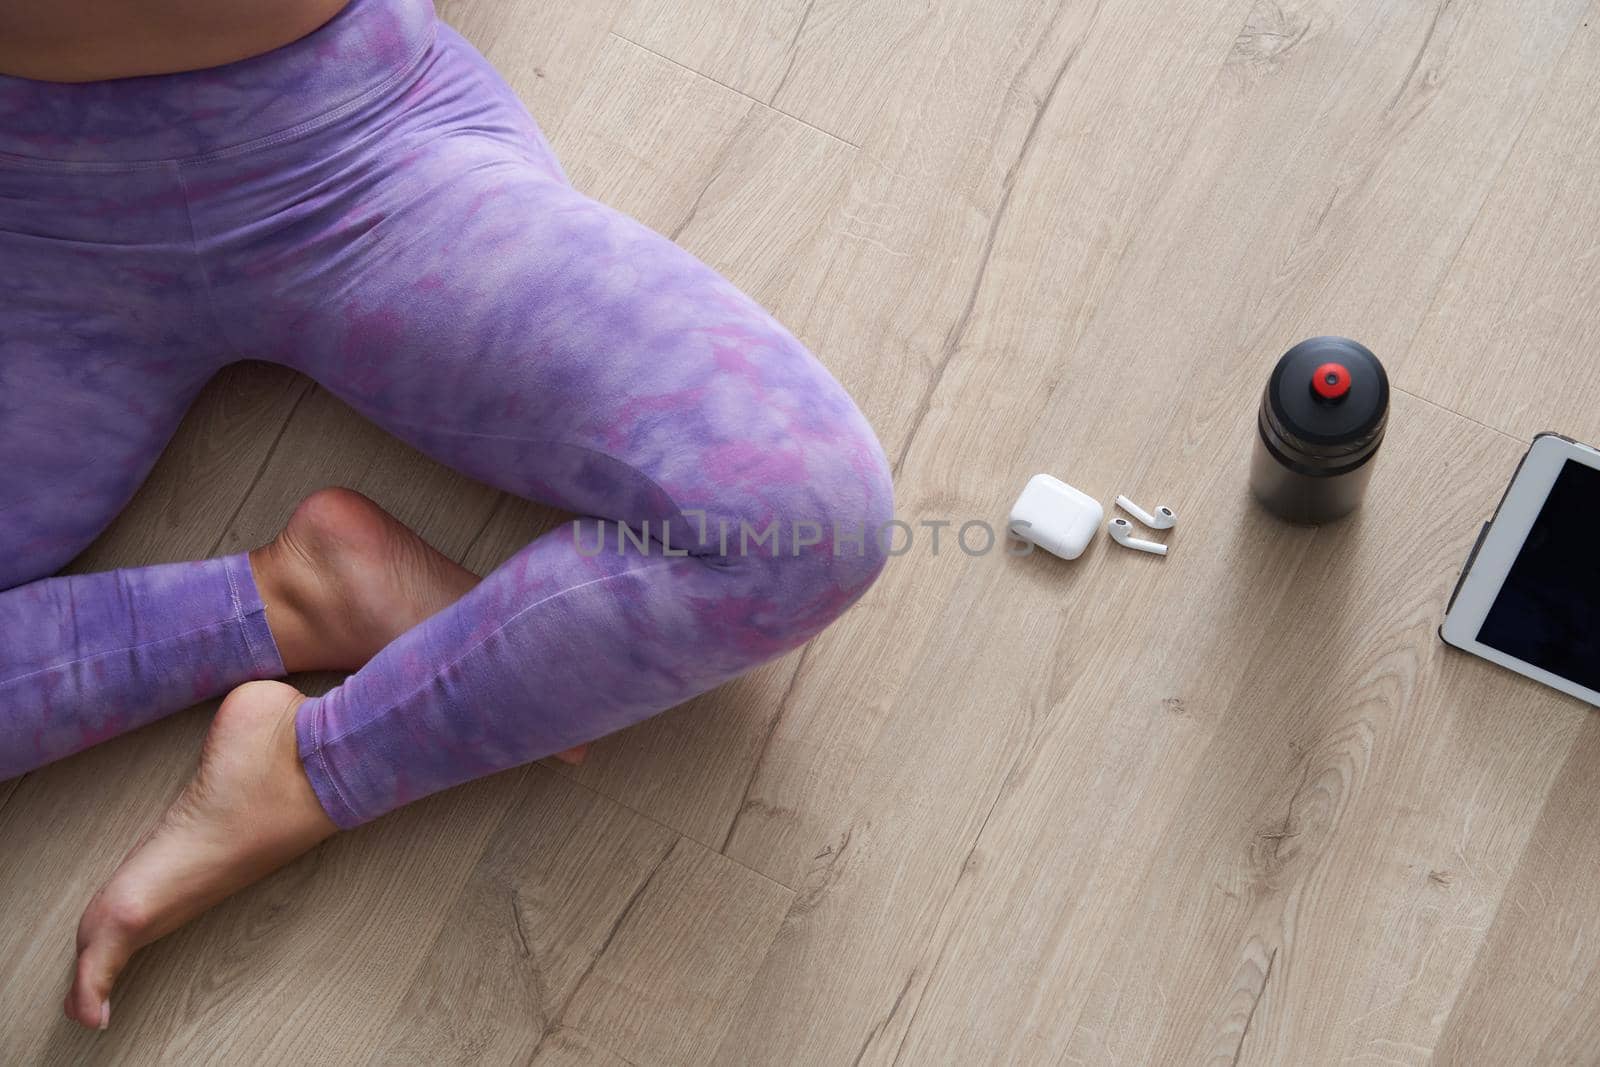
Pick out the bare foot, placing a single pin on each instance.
(248, 811)
(345, 578)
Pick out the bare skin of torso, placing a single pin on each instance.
(94, 40)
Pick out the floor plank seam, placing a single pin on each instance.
(740, 92)
(554, 1022)
(652, 820)
(1452, 411)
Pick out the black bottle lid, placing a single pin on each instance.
(1327, 403)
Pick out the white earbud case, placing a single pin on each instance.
(1055, 516)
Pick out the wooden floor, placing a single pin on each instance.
(1237, 805)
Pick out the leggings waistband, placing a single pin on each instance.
(364, 50)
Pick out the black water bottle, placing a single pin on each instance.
(1322, 419)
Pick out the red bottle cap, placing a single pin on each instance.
(1331, 381)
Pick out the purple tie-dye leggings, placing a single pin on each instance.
(372, 206)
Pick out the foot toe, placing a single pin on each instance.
(103, 951)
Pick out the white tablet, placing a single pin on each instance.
(1529, 597)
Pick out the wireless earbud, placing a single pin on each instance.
(1164, 518)
(1121, 531)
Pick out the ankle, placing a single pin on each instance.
(344, 578)
(259, 720)
(309, 816)
(290, 610)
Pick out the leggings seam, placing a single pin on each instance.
(206, 296)
(215, 624)
(238, 608)
(261, 665)
(471, 649)
(264, 663)
(327, 771)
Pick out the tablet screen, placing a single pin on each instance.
(1548, 610)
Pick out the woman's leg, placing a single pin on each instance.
(84, 658)
(106, 337)
(102, 349)
(87, 657)
(566, 353)
(440, 275)
(444, 280)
